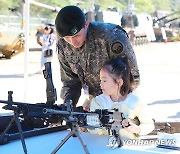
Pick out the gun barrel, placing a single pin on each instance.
(4, 102)
(52, 111)
(21, 103)
(167, 15)
(13, 103)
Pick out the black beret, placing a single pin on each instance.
(69, 21)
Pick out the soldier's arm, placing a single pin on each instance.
(71, 89)
(120, 46)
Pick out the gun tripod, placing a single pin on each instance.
(15, 119)
(74, 132)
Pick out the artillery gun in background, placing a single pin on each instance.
(166, 28)
(11, 42)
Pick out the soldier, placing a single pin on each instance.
(83, 47)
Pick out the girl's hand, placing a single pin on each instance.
(81, 129)
(131, 127)
(87, 108)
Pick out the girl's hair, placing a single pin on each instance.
(119, 68)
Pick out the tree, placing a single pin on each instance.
(147, 6)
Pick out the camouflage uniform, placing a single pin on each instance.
(80, 66)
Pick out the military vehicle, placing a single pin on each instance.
(11, 34)
(130, 23)
(138, 26)
(105, 15)
(12, 39)
(164, 27)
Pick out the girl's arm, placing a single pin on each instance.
(95, 104)
(146, 121)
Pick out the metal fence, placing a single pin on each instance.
(16, 21)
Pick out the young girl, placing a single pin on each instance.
(48, 42)
(117, 93)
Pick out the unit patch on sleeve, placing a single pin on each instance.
(117, 47)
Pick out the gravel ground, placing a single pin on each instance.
(159, 67)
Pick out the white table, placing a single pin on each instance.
(45, 144)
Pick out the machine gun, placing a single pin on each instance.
(30, 117)
(27, 116)
(111, 120)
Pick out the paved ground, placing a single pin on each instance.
(159, 66)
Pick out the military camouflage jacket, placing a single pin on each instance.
(80, 67)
